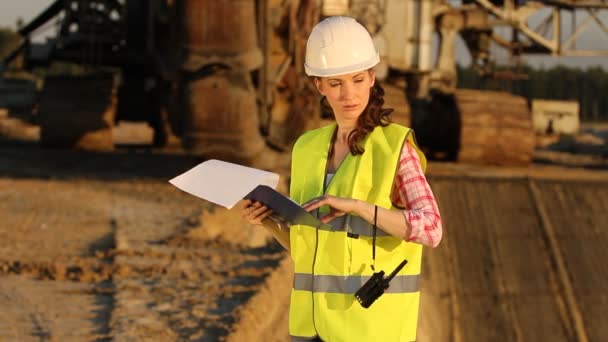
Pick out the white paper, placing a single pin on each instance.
(223, 183)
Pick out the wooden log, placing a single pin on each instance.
(496, 128)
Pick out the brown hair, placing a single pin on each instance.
(373, 115)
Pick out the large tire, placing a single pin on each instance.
(437, 126)
(78, 112)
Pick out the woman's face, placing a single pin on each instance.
(348, 94)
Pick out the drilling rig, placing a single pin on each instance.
(227, 76)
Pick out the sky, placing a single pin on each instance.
(594, 38)
(26, 9)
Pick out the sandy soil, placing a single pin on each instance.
(130, 258)
(99, 246)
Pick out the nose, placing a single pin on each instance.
(347, 91)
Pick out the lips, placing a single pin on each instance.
(349, 107)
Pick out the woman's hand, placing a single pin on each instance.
(255, 212)
(259, 214)
(338, 206)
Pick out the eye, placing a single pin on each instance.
(359, 80)
(334, 84)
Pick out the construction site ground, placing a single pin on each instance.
(100, 247)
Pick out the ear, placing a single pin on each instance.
(318, 85)
(372, 75)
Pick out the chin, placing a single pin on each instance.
(350, 114)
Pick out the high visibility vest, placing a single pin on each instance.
(332, 264)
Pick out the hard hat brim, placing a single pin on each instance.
(312, 71)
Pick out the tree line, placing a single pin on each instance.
(587, 86)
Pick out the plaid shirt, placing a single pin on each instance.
(412, 192)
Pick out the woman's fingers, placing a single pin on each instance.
(316, 203)
(260, 215)
(337, 203)
(255, 212)
(264, 215)
(332, 215)
(258, 211)
(248, 208)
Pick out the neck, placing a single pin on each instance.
(344, 129)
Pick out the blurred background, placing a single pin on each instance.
(102, 102)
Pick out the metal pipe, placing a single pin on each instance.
(557, 30)
(46, 15)
(411, 37)
(427, 27)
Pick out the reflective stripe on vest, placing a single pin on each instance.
(304, 339)
(355, 225)
(308, 339)
(350, 284)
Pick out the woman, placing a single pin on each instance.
(363, 177)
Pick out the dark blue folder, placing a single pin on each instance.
(284, 208)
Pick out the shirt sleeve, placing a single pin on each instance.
(412, 192)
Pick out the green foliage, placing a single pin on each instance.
(588, 86)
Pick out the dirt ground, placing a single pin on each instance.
(100, 247)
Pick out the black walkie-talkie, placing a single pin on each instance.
(375, 286)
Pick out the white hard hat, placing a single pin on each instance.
(337, 46)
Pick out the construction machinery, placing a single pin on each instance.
(227, 76)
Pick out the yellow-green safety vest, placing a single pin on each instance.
(332, 264)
